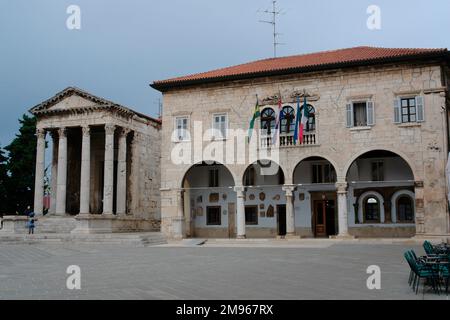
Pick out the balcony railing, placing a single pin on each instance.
(287, 140)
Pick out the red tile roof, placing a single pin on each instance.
(301, 63)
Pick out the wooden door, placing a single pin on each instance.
(281, 220)
(320, 221)
(232, 232)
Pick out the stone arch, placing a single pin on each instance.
(332, 162)
(188, 169)
(271, 170)
(400, 154)
(394, 198)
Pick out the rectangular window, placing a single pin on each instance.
(213, 178)
(408, 110)
(323, 173)
(220, 126)
(251, 215)
(360, 114)
(377, 171)
(181, 128)
(213, 216)
(250, 177)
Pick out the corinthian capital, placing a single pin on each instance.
(40, 133)
(109, 129)
(62, 132)
(86, 131)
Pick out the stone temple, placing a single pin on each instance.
(370, 162)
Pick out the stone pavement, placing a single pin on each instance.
(319, 269)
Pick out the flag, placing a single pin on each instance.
(278, 118)
(256, 115)
(303, 121)
(297, 121)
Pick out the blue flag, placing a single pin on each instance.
(297, 121)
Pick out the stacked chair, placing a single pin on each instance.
(432, 268)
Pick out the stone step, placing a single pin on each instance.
(145, 239)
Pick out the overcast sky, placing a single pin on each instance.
(124, 45)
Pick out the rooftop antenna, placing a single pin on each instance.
(274, 13)
(159, 108)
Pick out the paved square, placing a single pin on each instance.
(317, 270)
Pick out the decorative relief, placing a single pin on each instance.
(251, 197)
(262, 196)
(214, 197)
(301, 196)
(270, 211)
(199, 199)
(276, 197)
(261, 206)
(224, 196)
(262, 214)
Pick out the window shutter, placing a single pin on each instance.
(370, 113)
(420, 109)
(397, 111)
(349, 113)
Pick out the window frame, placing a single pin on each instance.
(397, 209)
(372, 162)
(364, 208)
(213, 129)
(369, 114)
(250, 179)
(214, 223)
(215, 181)
(273, 120)
(187, 136)
(289, 123)
(332, 173)
(408, 108)
(251, 223)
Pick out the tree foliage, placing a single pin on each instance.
(20, 166)
(4, 180)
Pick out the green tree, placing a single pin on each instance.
(3, 183)
(21, 166)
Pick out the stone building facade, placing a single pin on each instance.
(372, 162)
(105, 166)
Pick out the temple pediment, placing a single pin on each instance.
(75, 100)
(71, 99)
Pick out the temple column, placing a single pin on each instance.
(108, 189)
(62, 173)
(122, 173)
(54, 177)
(290, 214)
(39, 175)
(341, 188)
(240, 212)
(85, 181)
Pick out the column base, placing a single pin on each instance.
(241, 237)
(291, 236)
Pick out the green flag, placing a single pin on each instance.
(256, 115)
